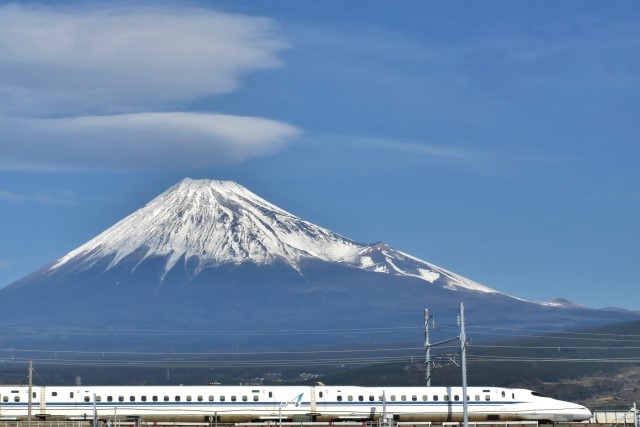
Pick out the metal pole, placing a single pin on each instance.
(30, 393)
(384, 409)
(463, 350)
(427, 347)
(95, 411)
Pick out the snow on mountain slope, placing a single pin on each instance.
(382, 258)
(219, 222)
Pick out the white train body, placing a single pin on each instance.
(254, 403)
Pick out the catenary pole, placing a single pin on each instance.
(427, 348)
(463, 351)
(30, 393)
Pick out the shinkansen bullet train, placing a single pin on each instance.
(262, 403)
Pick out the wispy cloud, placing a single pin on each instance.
(139, 141)
(98, 87)
(430, 150)
(483, 76)
(9, 196)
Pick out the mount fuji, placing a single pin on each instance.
(212, 256)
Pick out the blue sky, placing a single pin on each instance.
(497, 139)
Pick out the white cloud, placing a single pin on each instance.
(118, 59)
(97, 87)
(138, 140)
(9, 196)
(424, 149)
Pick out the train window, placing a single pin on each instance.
(86, 398)
(222, 398)
(109, 398)
(513, 395)
(120, 398)
(54, 393)
(256, 398)
(233, 398)
(339, 398)
(177, 399)
(34, 394)
(503, 394)
(188, 398)
(71, 395)
(154, 398)
(446, 397)
(244, 398)
(425, 398)
(403, 398)
(435, 398)
(211, 399)
(477, 397)
(414, 398)
(371, 398)
(166, 398)
(143, 398)
(5, 398)
(16, 399)
(98, 398)
(270, 394)
(200, 398)
(456, 397)
(393, 397)
(321, 394)
(350, 398)
(535, 393)
(487, 397)
(360, 398)
(132, 398)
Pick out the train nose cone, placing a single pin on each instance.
(581, 413)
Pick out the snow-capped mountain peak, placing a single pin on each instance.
(216, 222)
(210, 223)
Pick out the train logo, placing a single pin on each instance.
(293, 402)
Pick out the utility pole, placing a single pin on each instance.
(463, 352)
(95, 410)
(383, 421)
(427, 347)
(30, 375)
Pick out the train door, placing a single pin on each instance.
(70, 402)
(87, 406)
(271, 397)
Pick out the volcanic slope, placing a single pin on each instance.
(212, 256)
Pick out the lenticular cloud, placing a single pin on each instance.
(125, 59)
(98, 87)
(140, 141)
